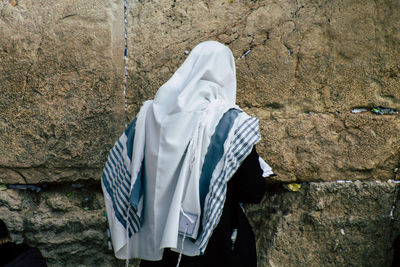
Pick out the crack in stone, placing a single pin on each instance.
(69, 15)
(21, 175)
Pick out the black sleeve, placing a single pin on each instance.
(247, 183)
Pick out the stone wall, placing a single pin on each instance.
(302, 67)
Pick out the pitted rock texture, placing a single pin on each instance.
(67, 224)
(61, 107)
(302, 66)
(305, 56)
(324, 224)
(361, 146)
(327, 224)
(293, 57)
(61, 80)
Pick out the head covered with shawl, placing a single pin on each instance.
(165, 178)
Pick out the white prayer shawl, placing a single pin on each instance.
(165, 178)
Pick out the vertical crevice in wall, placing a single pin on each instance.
(116, 13)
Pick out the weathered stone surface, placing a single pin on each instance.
(320, 146)
(61, 99)
(69, 230)
(324, 224)
(61, 79)
(62, 108)
(327, 224)
(35, 175)
(11, 200)
(303, 57)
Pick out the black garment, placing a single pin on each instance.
(3, 230)
(246, 186)
(13, 255)
(396, 252)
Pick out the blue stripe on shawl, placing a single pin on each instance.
(215, 151)
(115, 174)
(137, 190)
(119, 166)
(244, 138)
(116, 179)
(130, 134)
(118, 148)
(107, 185)
(239, 154)
(110, 192)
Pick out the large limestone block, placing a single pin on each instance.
(321, 146)
(61, 98)
(325, 56)
(327, 224)
(302, 55)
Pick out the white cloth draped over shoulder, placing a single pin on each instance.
(166, 176)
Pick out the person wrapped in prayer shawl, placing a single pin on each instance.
(175, 180)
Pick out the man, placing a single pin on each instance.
(173, 182)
